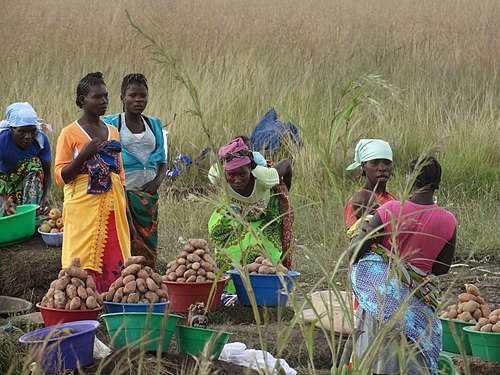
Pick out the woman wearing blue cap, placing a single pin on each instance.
(25, 160)
(374, 156)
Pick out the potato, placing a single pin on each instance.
(471, 306)
(143, 300)
(483, 321)
(466, 297)
(496, 327)
(485, 310)
(118, 282)
(264, 269)
(189, 273)
(77, 282)
(75, 303)
(130, 287)
(180, 271)
(197, 243)
(142, 274)
(200, 279)
(182, 261)
(172, 276)
(161, 293)
(137, 259)
(201, 272)
(210, 276)
(494, 312)
(195, 266)
(207, 266)
(68, 305)
(267, 262)
(259, 259)
(125, 298)
(182, 254)
(133, 298)
(281, 268)
(173, 267)
(152, 297)
(494, 319)
(180, 280)
(477, 314)
(487, 327)
(199, 252)
(90, 282)
(472, 289)
(110, 294)
(62, 283)
(480, 300)
(460, 308)
(128, 279)
(191, 279)
(99, 298)
(62, 273)
(51, 303)
(272, 270)
(131, 270)
(452, 314)
(90, 292)
(444, 315)
(59, 299)
(119, 292)
(151, 284)
(82, 293)
(141, 285)
(193, 258)
(157, 278)
(465, 316)
(188, 247)
(76, 272)
(71, 291)
(208, 258)
(149, 270)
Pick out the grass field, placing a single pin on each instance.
(425, 74)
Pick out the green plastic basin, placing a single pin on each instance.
(18, 227)
(484, 345)
(455, 338)
(146, 331)
(193, 340)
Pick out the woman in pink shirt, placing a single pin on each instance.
(393, 276)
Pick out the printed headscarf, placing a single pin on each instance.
(235, 154)
(370, 149)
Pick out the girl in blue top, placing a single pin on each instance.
(25, 160)
(144, 161)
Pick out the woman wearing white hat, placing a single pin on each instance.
(25, 160)
(374, 156)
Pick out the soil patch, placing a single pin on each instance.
(27, 270)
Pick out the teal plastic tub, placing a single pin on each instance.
(455, 339)
(484, 345)
(19, 226)
(146, 331)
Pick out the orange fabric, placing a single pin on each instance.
(70, 143)
(350, 218)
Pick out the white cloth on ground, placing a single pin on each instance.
(237, 353)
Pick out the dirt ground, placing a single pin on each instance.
(27, 269)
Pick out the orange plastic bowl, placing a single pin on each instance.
(51, 316)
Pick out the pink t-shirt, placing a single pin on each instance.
(422, 231)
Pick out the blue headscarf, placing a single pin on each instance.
(22, 114)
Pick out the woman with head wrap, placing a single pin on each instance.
(393, 276)
(89, 166)
(25, 160)
(374, 156)
(144, 161)
(253, 201)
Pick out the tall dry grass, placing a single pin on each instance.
(431, 86)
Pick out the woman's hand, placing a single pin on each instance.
(91, 148)
(45, 206)
(151, 187)
(8, 208)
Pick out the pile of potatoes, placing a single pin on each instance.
(192, 264)
(470, 308)
(489, 324)
(137, 284)
(73, 290)
(55, 224)
(266, 267)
